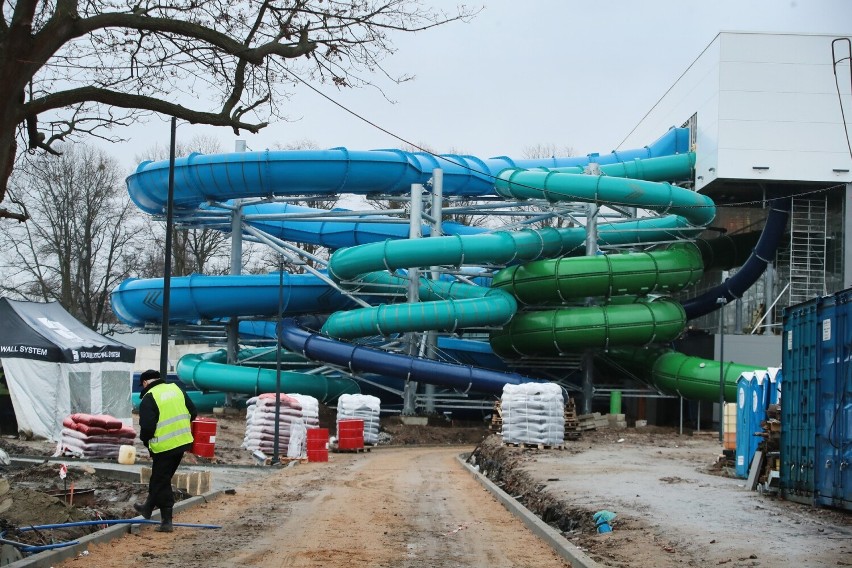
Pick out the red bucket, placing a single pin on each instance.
(204, 437)
(350, 434)
(317, 442)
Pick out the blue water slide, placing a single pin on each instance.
(362, 359)
(202, 181)
(763, 253)
(272, 219)
(197, 297)
(221, 177)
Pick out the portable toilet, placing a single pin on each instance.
(759, 402)
(774, 374)
(744, 426)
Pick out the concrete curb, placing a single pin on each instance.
(545, 532)
(48, 558)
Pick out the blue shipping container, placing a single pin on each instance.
(816, 404)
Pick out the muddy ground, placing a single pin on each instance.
(36, 490)
(675, 504)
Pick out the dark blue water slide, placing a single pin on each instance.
(763, 253)
(361, 359)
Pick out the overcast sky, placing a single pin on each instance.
(522, 73)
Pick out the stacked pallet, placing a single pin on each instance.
(497, 418)
(572, 425)
(769, 477)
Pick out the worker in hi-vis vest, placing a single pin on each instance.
(165, 417)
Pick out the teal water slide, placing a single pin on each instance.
(537, 307)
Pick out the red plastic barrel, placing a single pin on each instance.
(350, 434)
(317, 442)
(204, 437)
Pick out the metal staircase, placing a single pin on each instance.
(808, 248)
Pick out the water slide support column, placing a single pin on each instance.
(236, 266)
(414, 232)
(589, 355)
(721, 301)
(436, 213)
(167, 264)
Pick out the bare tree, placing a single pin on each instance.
(80, 241)
(81, 67)
(545, 214)
(193, 249)
(547, 151)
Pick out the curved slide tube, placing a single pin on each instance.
(614, 278)
(198, 297)
(210, 372)
(361, 359)
(672, 372)
(221, 177)
(763, 253)
(350, 266)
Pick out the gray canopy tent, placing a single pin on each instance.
(55, 366)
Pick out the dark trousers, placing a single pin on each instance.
(164, 466)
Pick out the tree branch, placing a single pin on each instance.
(191, 30)
(71, 97)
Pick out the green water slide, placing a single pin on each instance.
(622, 288)
(672, 372)
(621, 283)
(220, 376)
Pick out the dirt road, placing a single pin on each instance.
(396, 507)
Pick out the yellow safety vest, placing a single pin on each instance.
(173, 428)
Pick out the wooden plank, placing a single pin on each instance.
(754, 470)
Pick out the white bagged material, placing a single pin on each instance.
(361, 407)
(297, 413)
(533, 413)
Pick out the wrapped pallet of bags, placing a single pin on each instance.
(94, 436)
(361, 407)
(533, 413)
(310, 409)
(260, 422)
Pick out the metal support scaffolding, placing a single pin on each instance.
(414, 232)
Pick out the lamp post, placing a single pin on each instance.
(721, 302)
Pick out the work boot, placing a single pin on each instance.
(166, 523)
(145, 509)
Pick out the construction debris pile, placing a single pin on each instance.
(361, 407)
(533, 413)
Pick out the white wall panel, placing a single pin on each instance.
(784, 165)
(761, 99)
(806, 49)
(798, 110)
(817, 77)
